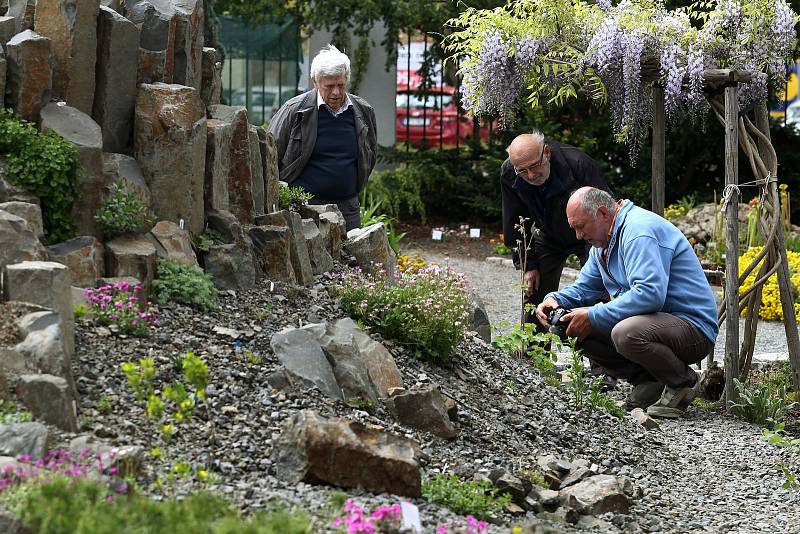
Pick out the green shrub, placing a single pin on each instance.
(591, 397)
(426, 310)
(291, 198)
(479, 499)
(187, 284)
(44, 164)
(762, 403)
(121, 212)
(85, 507)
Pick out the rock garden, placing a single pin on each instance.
(186, 345)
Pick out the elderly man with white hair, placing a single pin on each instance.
(326, 137)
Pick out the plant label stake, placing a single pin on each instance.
(474, 233)
(436, 235)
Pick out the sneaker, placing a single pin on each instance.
(674, 401)
(643, 395)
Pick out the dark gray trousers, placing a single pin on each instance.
(644, 348)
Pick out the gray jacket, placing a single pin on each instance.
(294, 127)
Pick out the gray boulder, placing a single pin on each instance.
(218, 164)
(48, 398)
(370, 247)
(424, 408)
(321, 260)
(211, 88)
(256, 171)
(32, 214)
(32, 439)
(23, 13)
(125, 169)
(346, 454)
(19, 241)
(479, 319)
(598, 495)
(299, 352)
(8, 29)
(232, 265)
(239, 175)
(269, 158)
(129, 460)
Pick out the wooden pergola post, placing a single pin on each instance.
(731, 242)
(657, 196)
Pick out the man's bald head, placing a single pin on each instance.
(530, 156)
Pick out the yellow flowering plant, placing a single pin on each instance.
(771, 309)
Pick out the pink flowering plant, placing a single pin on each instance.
(387, 519)
(427, 310)
(120, 304)
(60, 464)
(354, 520)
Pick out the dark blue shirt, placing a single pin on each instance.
(331, 172)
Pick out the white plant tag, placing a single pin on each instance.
(436, 235)
(411, 517)
(180, 223)
(474, 232)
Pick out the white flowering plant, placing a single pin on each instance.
(557, 49)
(427, 309)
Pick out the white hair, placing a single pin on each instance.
(330, 62)
(592, 198)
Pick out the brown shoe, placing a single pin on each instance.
(643, 395)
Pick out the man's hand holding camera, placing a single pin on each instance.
(577, 320)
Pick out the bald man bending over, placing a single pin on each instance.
(536, 181)
(662, 315)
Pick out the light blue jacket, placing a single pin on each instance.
(651, 268)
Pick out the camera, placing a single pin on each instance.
(556, 326)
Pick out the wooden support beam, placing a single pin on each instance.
(657, 196)
(784, 282)
(731, 244)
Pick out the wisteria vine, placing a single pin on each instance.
(555, 49)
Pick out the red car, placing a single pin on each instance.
(433, 116)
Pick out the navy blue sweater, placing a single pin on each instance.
(331, 172)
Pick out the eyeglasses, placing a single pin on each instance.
(532, 166)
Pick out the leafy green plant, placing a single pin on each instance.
(252, 358)
(370, 215)
(502, 250)
(427, 310)
(202, 242)
(104, 405)
(598, 399)
(80, 311)
(182, 401)
(291, 198)
(121, 211)
(84, 507)
(790, 477)
(577, 375)
(10, 414)
(46, 165)
(540, 347)
(777, 437)
(187, 284)
(479, 499)
(763, 403)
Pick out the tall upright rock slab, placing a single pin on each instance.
(170, 146)
(269, 158)
(79, 128)
(72, 27)
(23, 13)
(172, 35)
(29, 78)
(218, 164)
(240, 181)
(211, 89)
(115, 82)
(256, 171)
